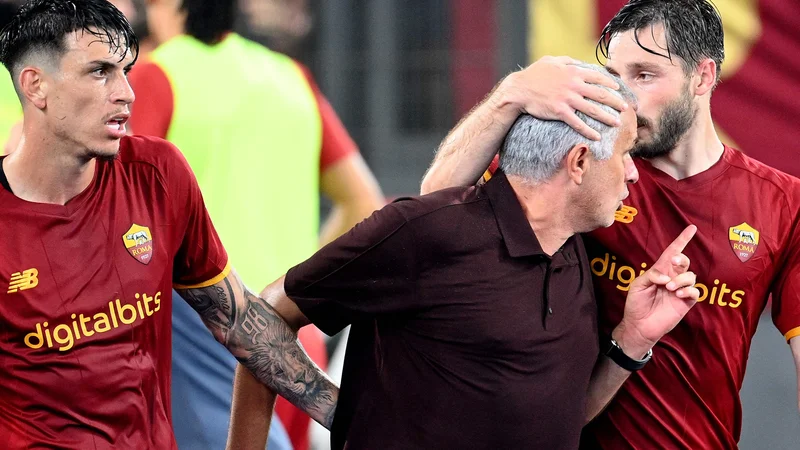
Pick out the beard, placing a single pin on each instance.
(101, 155)
(676, 119)
(108, 158)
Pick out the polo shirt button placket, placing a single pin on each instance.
(554, 271)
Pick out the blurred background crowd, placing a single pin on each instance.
(399, 74)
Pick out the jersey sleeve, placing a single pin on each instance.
(786, 291)
(151, 112)
(200, 259)
(493, 166)
(368, 272)
(336, 141)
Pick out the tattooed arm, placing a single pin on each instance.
(252, 401)
(259, 337)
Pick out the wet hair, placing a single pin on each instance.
(209, 20)
(693, 30)
(41, 26)
(7, 10)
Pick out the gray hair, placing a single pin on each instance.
(534, 148)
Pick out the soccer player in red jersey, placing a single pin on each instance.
(99, 228)
(748, 242)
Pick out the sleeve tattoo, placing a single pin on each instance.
(262, 341)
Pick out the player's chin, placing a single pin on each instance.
(611, 218)
(107, 151)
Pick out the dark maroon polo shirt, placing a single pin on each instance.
(465, 334)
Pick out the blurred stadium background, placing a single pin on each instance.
(401, 73)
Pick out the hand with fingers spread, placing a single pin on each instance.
(658, 299)
(553, 88)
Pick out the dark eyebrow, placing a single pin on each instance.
(108, 65)
(103, 64)
(639, 66)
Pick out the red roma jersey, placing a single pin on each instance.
(85, 302)
(747, 247)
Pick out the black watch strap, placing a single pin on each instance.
(615, 353)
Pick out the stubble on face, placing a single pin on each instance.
(675, 121)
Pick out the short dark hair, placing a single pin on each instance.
(209, 20)
(7, 10)
(693, 29)
(42, 25)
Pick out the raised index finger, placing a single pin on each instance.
(680, 243)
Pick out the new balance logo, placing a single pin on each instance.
(626, 214)
(21, 281)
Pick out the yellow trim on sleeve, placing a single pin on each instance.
(487, 175)
(208, 283)
(794, 332)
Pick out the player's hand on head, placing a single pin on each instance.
(661, 297)
(553, 88)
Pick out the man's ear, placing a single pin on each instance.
(706, 76)
(33, 86)
(578, 162)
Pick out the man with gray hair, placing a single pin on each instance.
(534, 148)
(472, 311)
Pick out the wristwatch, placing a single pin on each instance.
(616, 354)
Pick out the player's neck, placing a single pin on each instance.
(699, 149)
(40, 171)
(544, 207)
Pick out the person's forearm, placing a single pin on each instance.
(608, 377)
(344, 217)
(251, 412)
(355, 194)
(794, 343)
(333, 226)
(552, 88)
(469, 148)
(261, 340)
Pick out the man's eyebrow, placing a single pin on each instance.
(105, 64)
(109, 65)
(636, 66)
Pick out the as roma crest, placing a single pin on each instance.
(744, 241)
(139, 242)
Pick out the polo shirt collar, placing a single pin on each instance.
(514, 226)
